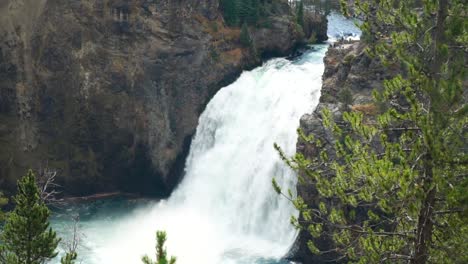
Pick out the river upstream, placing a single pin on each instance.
(225, 209)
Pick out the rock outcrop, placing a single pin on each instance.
(346, 67)
(108, 92)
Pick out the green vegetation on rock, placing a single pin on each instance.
(345, 97)
(230, 11)
(3, 201)
(300, 13)
(392, 188)
(245, 37)
(238, 12)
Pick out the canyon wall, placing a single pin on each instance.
(347, 66)
(108, 92)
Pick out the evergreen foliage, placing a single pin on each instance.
(230, 11)
(27, 237)
(346, 97)
(249, 11)
(394, 189)
(245, 38)
(69, 258)
(161, 252)
(300, 13)
(3, 201)
(238, 12)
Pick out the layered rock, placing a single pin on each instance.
(108, 92)
(346, 67)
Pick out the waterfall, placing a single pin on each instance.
(225, 210)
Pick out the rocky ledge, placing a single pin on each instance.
(108, 92)
(349, 78)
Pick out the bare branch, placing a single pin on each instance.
(48, 188)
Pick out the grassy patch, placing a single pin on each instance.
(367, 109)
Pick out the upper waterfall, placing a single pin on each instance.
(225, 210)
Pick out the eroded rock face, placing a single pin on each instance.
(108, 92)
(346, 66)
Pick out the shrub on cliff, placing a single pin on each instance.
(3, 201)
(394, 189)
(345, 97)
(245, 38)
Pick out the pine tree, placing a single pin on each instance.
(245, 38)
(161, 253)
(393, 188)
(27, 237)
(245, 11)
(230, 11)
(242, 11)
(300, 14)
(255, 13)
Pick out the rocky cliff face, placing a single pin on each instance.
(108, 92)
(346, 67)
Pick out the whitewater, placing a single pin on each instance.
(225, 209)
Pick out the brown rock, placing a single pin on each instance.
(109, 92)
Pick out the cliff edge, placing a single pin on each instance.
(348, 81)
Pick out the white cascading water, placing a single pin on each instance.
(341, 27)
(225, 210)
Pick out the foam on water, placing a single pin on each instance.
(341, 27)
(225, 210)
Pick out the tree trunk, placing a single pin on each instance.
(438, 38)
(425, 224)
(425, 221)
